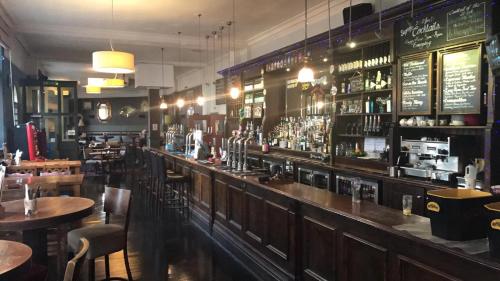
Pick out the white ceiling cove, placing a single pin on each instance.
(62, 34)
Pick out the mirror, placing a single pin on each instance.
(127, 111)
(103, 112)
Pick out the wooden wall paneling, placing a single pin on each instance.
(363, 260)
(279, 229)
(319, 250)
(197, 186)
(255, 220)
(206, 190)
(221, 200)
(235, 207)
(411, 270)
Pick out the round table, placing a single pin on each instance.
(52, 211)
(15, 259)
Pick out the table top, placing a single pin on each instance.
(17, 181)
(15, 258)
(52, 211)
(48, 163)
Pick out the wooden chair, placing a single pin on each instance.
(55, 170)
(105, 239)
(21, 171)
(74, 265)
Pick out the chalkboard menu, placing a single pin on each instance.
(457, 24)
(460, 82)
(415, 86)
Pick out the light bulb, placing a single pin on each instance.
(234, 92)
(320, 104)
(325, 59)
(288, 69)
(180, 103)
(200, 100)
(306, 75)
(351, 44)
(163, 105)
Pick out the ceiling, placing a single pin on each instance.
(62, 34)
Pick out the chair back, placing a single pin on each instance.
(75, 264)
(21, 171)
(117, 202)
(55, 170)
(2, 177)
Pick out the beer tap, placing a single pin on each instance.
(234, 162)
(247, 140)
(188, 142)
(241, 140)
(229, 163)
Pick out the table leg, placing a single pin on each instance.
(37, 240)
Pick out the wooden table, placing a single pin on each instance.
(52, 211)
(75, 181)
(15, 259)
(39, 165)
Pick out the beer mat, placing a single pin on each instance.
(423, 230)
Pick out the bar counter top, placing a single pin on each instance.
(377, 216)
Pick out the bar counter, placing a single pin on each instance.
(291, 231)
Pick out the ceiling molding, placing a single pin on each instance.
(119, 36)
(315, 14)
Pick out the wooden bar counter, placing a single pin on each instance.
(290, 231)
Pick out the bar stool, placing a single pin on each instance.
(177, 195)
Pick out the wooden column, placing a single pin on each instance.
(154, 118)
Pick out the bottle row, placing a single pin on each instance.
(373, 81)
(358, 64)
(371, 105)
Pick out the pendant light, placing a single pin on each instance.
(113, 83)
(92, 89)
(351, 44)
(235, 91)
(306, 74)
(163, 104)
(329, 51)
(200, 100)
(214, 35)
(378, 33)
(180, 101)
(113, 61)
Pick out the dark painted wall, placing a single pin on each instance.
(117, 123)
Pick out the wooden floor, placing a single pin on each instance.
(169, 248)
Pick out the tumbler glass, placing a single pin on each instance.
(407, 204)
(356, 190)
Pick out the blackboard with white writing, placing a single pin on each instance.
(415, 89)
(457, 24)
(461, 77)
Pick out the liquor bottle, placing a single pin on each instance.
(348, 86)
(373, 83)
(372, 105)
(342, 87)
(368, 106)
(367, 81)
(378, 80)
(389, 79)
(389, 104)
(377, 125)
(383, 81)
(365, 129)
